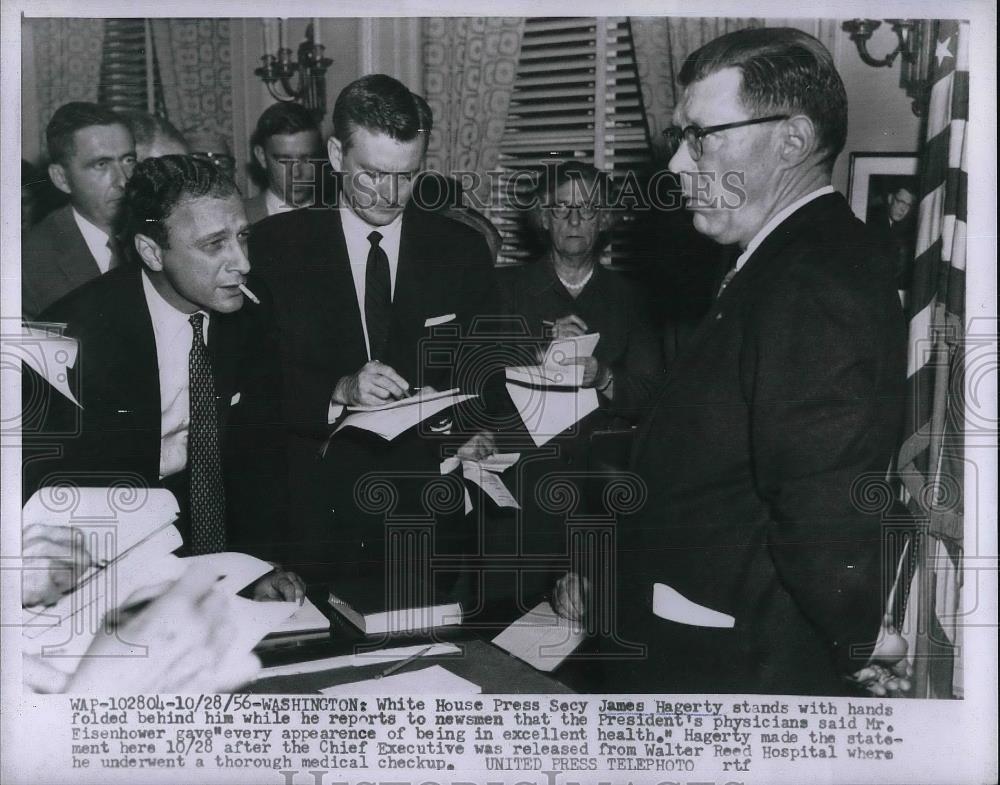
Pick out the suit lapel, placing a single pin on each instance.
(340, 300)
(76, 250)
(408, 302)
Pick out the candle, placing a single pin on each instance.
(316, 36)
(281, 34)
(270, 44)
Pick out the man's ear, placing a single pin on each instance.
(335, 152)
(260, 156)
(150, 252)
(798, 139)
(57, 174)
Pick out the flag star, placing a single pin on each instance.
(943, 51)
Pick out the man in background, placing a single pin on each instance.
(154, 136)
(896, 223)
(92, 154)
(287, 159)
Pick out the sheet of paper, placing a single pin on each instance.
(306, 617)
(542, 638)
(49, 353)
(547, 413)
(390, 423)
(670, 604)
(235, 571)
(434, 680)
(257, 620)
(418, 398)
(566, 350)
(356, 660)
(499, 461)
(491, 484)
(546, 376)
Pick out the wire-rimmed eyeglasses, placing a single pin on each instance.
(693, 134)
(586, 212)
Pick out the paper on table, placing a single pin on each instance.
(543, 376)
(391, 422)
(306, 618)
(542, 638)
(48, 353)
(434, 680)
(417, 398)
(670, 604)
(357, 660)
(235, 571)
(256, 620)
(547, 413)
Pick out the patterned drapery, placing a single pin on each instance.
(67, 62)
(469, 70)
(196, 67)
(661, 46)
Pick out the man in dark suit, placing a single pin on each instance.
(92, 154)
(178, 382)
(896, 223)
(287, 152)
(359, 289)
(755, 565)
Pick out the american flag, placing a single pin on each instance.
(931, 461)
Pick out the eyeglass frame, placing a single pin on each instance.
(693, 134)
(587, 212)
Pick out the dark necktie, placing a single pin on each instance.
(208, 496)
(115, 256)
(378, 297)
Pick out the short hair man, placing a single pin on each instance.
(92, 154)
(753, 567)
(358, 290)
(895, 222)
(287, 156)
(179, 383)
(154, 135)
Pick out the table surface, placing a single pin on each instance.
(479, 661)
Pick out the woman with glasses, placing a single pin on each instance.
(565, 291)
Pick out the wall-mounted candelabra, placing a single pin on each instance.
(279, 70)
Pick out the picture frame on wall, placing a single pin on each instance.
(874, 177)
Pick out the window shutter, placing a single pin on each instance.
(130, 74)
(572, 73)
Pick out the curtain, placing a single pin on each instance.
(195, 65)
(661, 46)
(67, 62)
(931, 460)
(469, 70)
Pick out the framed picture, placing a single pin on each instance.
(874, 180)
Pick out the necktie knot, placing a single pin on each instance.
(375, 238)
(197, 324)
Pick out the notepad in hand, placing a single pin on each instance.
(372, 617)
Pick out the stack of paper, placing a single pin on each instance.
(434, 680)
(559, 366)
(391, 419)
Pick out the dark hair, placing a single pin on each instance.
(157, 187)
(70, 118)
(146, 127)
(381, 104)
(783, 70)
(282, 119)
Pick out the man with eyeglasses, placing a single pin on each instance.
(896, 223)
(755, 565)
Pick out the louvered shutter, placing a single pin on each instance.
(130, 74)
(572, 72)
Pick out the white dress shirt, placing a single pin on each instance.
(356, 233)
(776, 221)
(275, 204)
(173, 334)
(96, 240)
